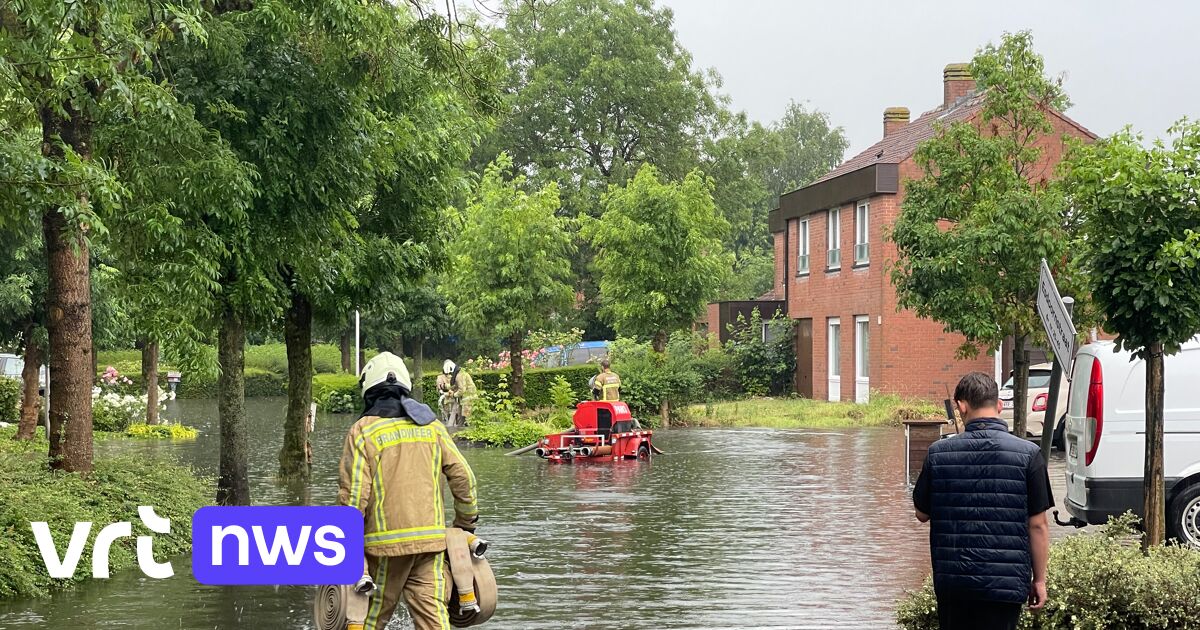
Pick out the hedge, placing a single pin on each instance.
(537, 384)
(259, 383)
(1099, 580)
(10, 399)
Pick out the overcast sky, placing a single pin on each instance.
(1124, 62)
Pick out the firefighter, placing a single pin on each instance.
(606, 385)
(392, 467)
(456, 393)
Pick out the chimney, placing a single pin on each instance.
(956, 83)
(893, 119)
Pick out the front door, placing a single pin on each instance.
(862, 354)
(804, 358)
(834, 345)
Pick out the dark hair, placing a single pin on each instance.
(604, 364)
(977, 390)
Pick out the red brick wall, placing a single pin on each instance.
(908, 356)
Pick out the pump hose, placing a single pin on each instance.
(469, 572)
(340, 607)
(330, 607)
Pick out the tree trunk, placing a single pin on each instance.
(30, 400)
(297, 334)
(1152, 479)
(515, 343)
(233, 483)
(346, 345)
(150, 379)
(659, 344)
(1020, 358)
(418, 347)
(68, 304)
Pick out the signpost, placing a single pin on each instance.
(1055, 312)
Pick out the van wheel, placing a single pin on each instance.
(1184, 523)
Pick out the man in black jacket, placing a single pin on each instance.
(985, 494)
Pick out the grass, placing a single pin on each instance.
(30, 491)
(803, 413)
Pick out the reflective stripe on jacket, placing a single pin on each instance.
(391, 471)
(610, 386)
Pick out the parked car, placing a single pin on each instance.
(1105, 437)
(12, 365)
(576, 354)
(1038, 398)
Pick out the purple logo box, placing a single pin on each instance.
(277, 545)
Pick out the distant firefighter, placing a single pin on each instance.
(456, 394)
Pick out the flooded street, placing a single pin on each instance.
(731, 529)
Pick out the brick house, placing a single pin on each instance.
(832, 262)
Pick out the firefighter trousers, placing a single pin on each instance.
(423, 580)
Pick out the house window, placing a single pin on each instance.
(802, 247)
(861, 232)
(834, 255)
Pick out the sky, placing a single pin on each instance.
(1124, 63)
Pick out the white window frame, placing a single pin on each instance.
(862, 232)
(833, 238)
(802, 248)
(862, 359)
(833, 353)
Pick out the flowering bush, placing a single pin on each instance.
(502, 362)
(114, 408)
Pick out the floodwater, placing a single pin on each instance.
(730, 529)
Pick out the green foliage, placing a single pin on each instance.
(510, 265)
(599, 87)
(805, 413)
(649, 377)
(659, 253)
(1142, 234)
(764, 366)
(272, 357)
(1098, 581)
(972, 233)
(10, 399)
(30, 492)
(496, 420)
(161, 432)
(332, 389)
(337, 393)
(563, 398)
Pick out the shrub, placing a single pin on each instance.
(648, 378)
(10, 399)
(537, 383)
(29, 491)
(764, 366)
(113, 410)
(1097, 581)
(337, 393)
(563, 397)
(272, 357)
(496, 420)
(161, 432)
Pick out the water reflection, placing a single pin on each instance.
(731, 529)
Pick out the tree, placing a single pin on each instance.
(510, 267)
(1141, 248)
(752, 165)
(22, 295)
(659, 255)
(69, 66)
(972, 232)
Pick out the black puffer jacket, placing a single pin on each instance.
(979, 524)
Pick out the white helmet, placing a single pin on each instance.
(447, 366)
(385, 367)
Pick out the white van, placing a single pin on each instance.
(1106, 436)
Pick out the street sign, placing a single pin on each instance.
(1056, 319)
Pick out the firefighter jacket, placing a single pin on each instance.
(609, 385)
(391, 471)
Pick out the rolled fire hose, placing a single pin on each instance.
(342, 608)
(472, 575)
